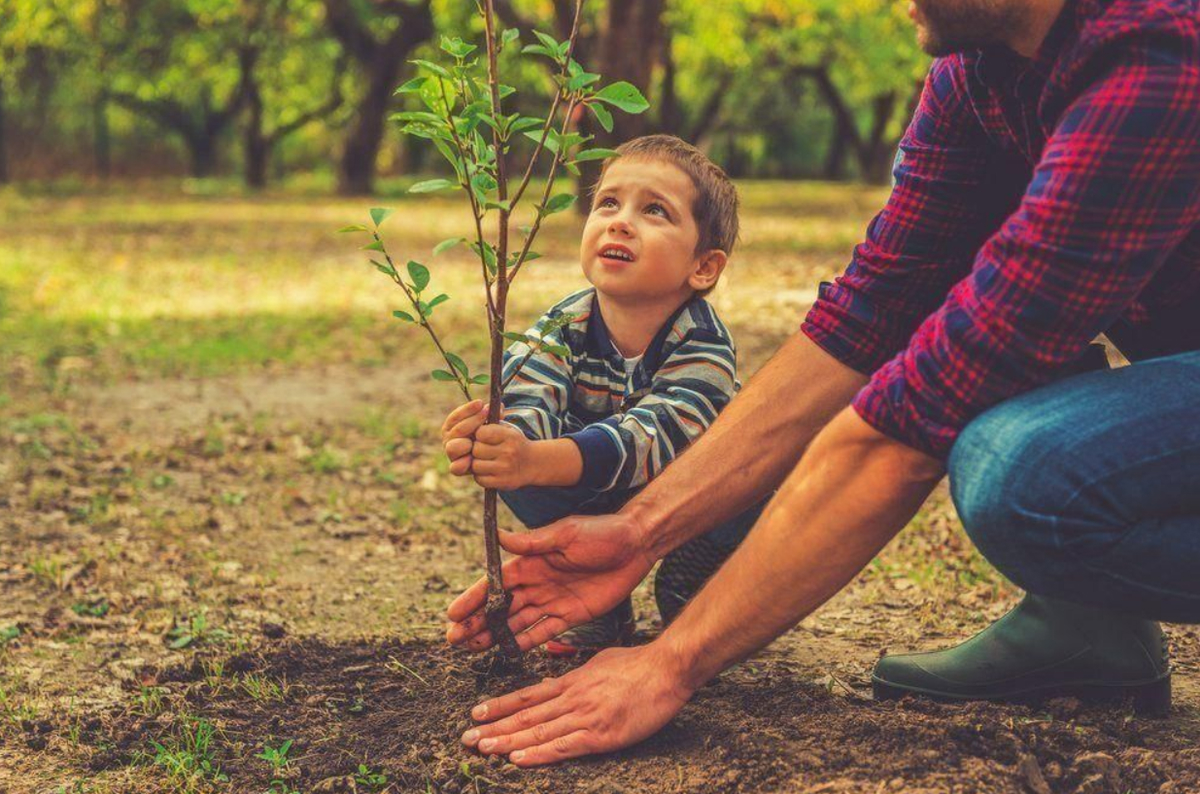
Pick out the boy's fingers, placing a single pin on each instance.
(494, 434)
(460, 413)
(457, 447)
(460, 467)
(466, 428)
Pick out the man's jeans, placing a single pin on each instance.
(1088, 490)
(537, 506)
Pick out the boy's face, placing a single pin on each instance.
(639, 243)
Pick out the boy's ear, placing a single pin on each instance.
(709, 266)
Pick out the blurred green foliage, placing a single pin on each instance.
(144, 88)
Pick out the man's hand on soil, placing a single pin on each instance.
(564, 575)
(620, 697)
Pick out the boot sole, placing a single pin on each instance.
(1149, 698)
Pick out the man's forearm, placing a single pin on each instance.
(852, 492)
(751, 447)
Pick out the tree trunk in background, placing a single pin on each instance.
(101, 136)
(202, 150)
(381, 61)
(630, 47)
(839, 148)
(257, 147)
(3, 143)
(876, 153)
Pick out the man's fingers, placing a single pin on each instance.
(572, 745)
(538, 541)
(542, 632)
(521, 721)
(519, 621)
(460, 413)
(544, 730)
(506, 705)
(470, 601)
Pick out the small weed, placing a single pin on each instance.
(214, 442)
(161, 481)
(150, 700)
(368, 779)
(400, 511)
(49, 570)
(188, 756)
(91, 609)
(8, 634)
(214, 674)
(277, 757)
(261, 687)
(15, 711)
(194, 630)
(233, 498)
(326, 461)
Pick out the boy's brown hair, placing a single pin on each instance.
(716, 206)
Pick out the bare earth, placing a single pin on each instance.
(300, 535)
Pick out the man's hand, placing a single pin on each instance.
(618, 698)
(565, 574)
(458, 433)
(503, 458)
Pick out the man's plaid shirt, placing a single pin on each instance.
(627, 426)
(1038, 203)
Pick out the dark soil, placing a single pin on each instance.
(399, 708)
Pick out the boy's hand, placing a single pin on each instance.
(457, 435)
(502, 458)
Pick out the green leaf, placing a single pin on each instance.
(480, 380)
(419, 275)
(457, 47)
(403, 316)
(506, 91)
(506, 206)
(537, 49)
(526, 123)
(446, 245)
(549, 41)
(354, 227)
(509, 36)
(380, 214)
(438, 300)
(595, 154)
(458, 363)
(559, 203)
(513, 336)
(418, 116)
(376, 245)
(488, 253)
(623, 96)
(411, 86)
(602, 114)
(430, 185)
(441, 374)
(181, 642)
(431, 67)
(385, 269)
(558, 350)
(551, 139)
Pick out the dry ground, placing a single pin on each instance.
(224, 510)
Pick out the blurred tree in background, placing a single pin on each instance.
(145, 88)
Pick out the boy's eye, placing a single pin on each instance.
(658, 209)
(606, 202)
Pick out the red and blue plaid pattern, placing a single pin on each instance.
(1038, 203)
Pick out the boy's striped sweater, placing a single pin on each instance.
(627, 427)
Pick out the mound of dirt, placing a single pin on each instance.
(398, 708)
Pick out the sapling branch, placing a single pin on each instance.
(458, 104)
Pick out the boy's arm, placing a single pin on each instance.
(536, 399)
(692, 386)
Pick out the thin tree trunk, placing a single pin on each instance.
(357, 174)
(257, 147)
(3, 141)
(101, 136)
(202, 149)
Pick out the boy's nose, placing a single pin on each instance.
(620, 226)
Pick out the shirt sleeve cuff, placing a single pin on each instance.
(880, 410)
(601, 456)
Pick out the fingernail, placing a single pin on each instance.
(479, 712)
(487, 744)
(470, 737)
(517, 756)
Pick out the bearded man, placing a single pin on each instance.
(1047, 192)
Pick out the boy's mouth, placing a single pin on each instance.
(616, 254)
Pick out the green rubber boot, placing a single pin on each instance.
(1043, 648)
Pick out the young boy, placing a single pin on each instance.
(648, 366)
